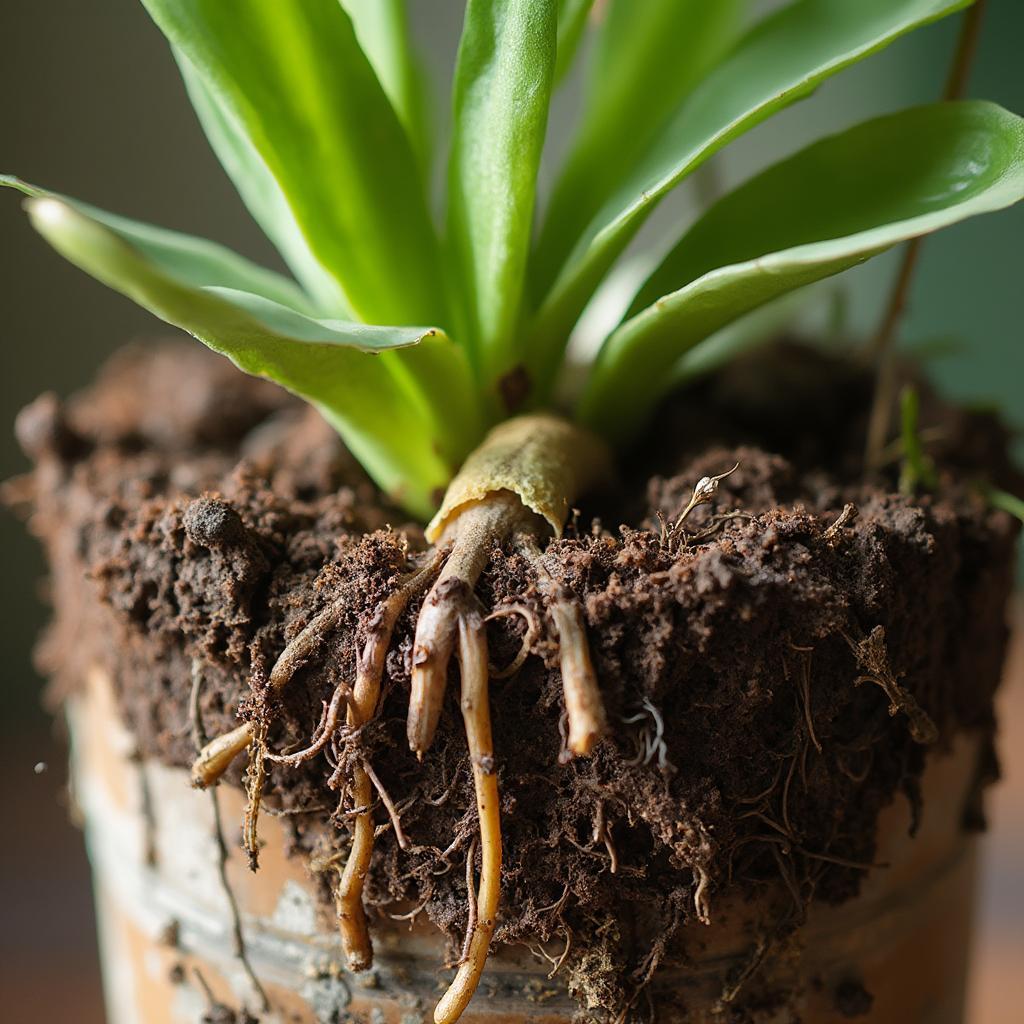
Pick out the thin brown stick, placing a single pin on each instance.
(476, 716)
(472, 533)
(583, 703)
(237, 938)
(882, 349)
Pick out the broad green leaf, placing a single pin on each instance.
(783, 59)
(293, 77)
(828, 208)
(647, 57)
(572, 20)
(399, 396)
(503, 80)
(382, 28)
(259, 191)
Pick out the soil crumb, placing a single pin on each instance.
(774, 669)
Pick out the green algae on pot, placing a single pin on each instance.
(434, 355)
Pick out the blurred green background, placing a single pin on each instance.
(92, 105)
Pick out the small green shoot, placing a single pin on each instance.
(917, 470)
(1006, 502)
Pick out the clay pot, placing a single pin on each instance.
(166, 928)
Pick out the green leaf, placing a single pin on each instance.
(572, 20)
(193, 261)
(259, 191)
(294, 79)
(828, 208)
(781, 60)
(407, 413)
(502, 89)
(382, 28)
(759, 327)
(647, 57)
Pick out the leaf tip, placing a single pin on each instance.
(45, 212)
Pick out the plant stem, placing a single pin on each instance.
(882, 349)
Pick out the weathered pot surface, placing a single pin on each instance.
(898, 953)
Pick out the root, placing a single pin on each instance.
(532, 632)
(324, 733)
(602, 834)
(255, 778)
(216, 756)
(472, 533)
(873, 659)
(583, 703)
(476, 716)
(237, 938)
(348, 897)
(473, 915)
(389, 806)
(520, 482)
(701, 903)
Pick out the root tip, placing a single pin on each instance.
(358, 962)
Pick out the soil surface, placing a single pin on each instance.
(777, 672)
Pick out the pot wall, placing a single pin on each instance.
(166, 926)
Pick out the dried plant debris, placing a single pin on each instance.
(740, 740)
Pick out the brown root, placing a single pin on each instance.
(873, 657)
(533, 630)
(348, 897)
(255, 777)
(583, 704)
(216, 756)
(324, 733)
(237, 937)
(472, 532)
(476, 716)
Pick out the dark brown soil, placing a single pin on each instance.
(212, 517)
